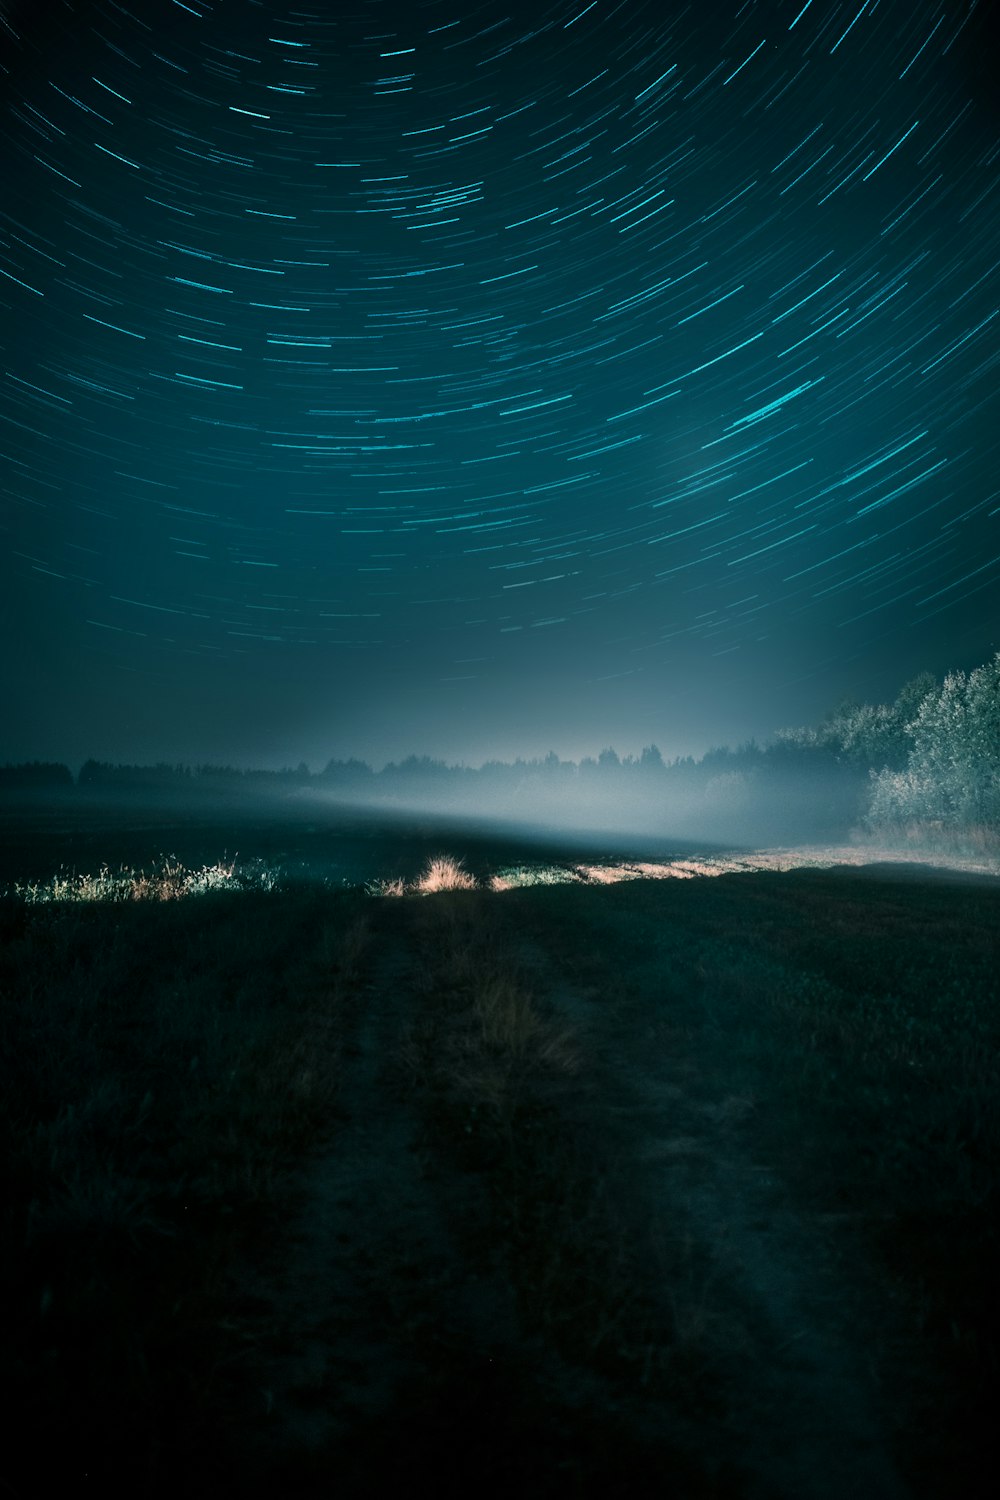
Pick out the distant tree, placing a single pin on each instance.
(716, 760)
(131, 778)
(682, 772)
(808, 752)
(346, 772)
(495, 772)
(94, 773)
(423, 766)
(219, 774)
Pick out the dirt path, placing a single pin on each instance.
(382, 1354)
(369, 1308)
(333, 1355)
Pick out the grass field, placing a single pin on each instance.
(683, 1187)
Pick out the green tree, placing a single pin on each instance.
(952, 773)
(956, 744)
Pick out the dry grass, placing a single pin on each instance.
(503, 1042)
(937, 836)
(513, 877)
(168, 880)
(443, 873)
(396, 887)
(509, 1020)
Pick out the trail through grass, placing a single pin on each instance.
(684, 1187)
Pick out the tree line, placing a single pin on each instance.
(929, 760)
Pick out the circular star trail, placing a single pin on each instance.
(485, 378)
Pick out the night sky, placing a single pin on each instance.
(483, 379)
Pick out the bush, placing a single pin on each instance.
(445, 874)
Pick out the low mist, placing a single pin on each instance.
(923, 769)
(731, 807)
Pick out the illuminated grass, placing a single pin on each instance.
(169, 880)
(513, 877)
(396, 887)
(442, 873)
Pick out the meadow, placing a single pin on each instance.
(500, 1173)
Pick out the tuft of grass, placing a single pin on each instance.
(512, 1025)
(443, 873)
(396, 887)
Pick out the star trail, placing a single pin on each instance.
(480, 379)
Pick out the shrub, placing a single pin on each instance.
(444, 874)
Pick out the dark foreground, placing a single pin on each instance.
(663, 1188)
